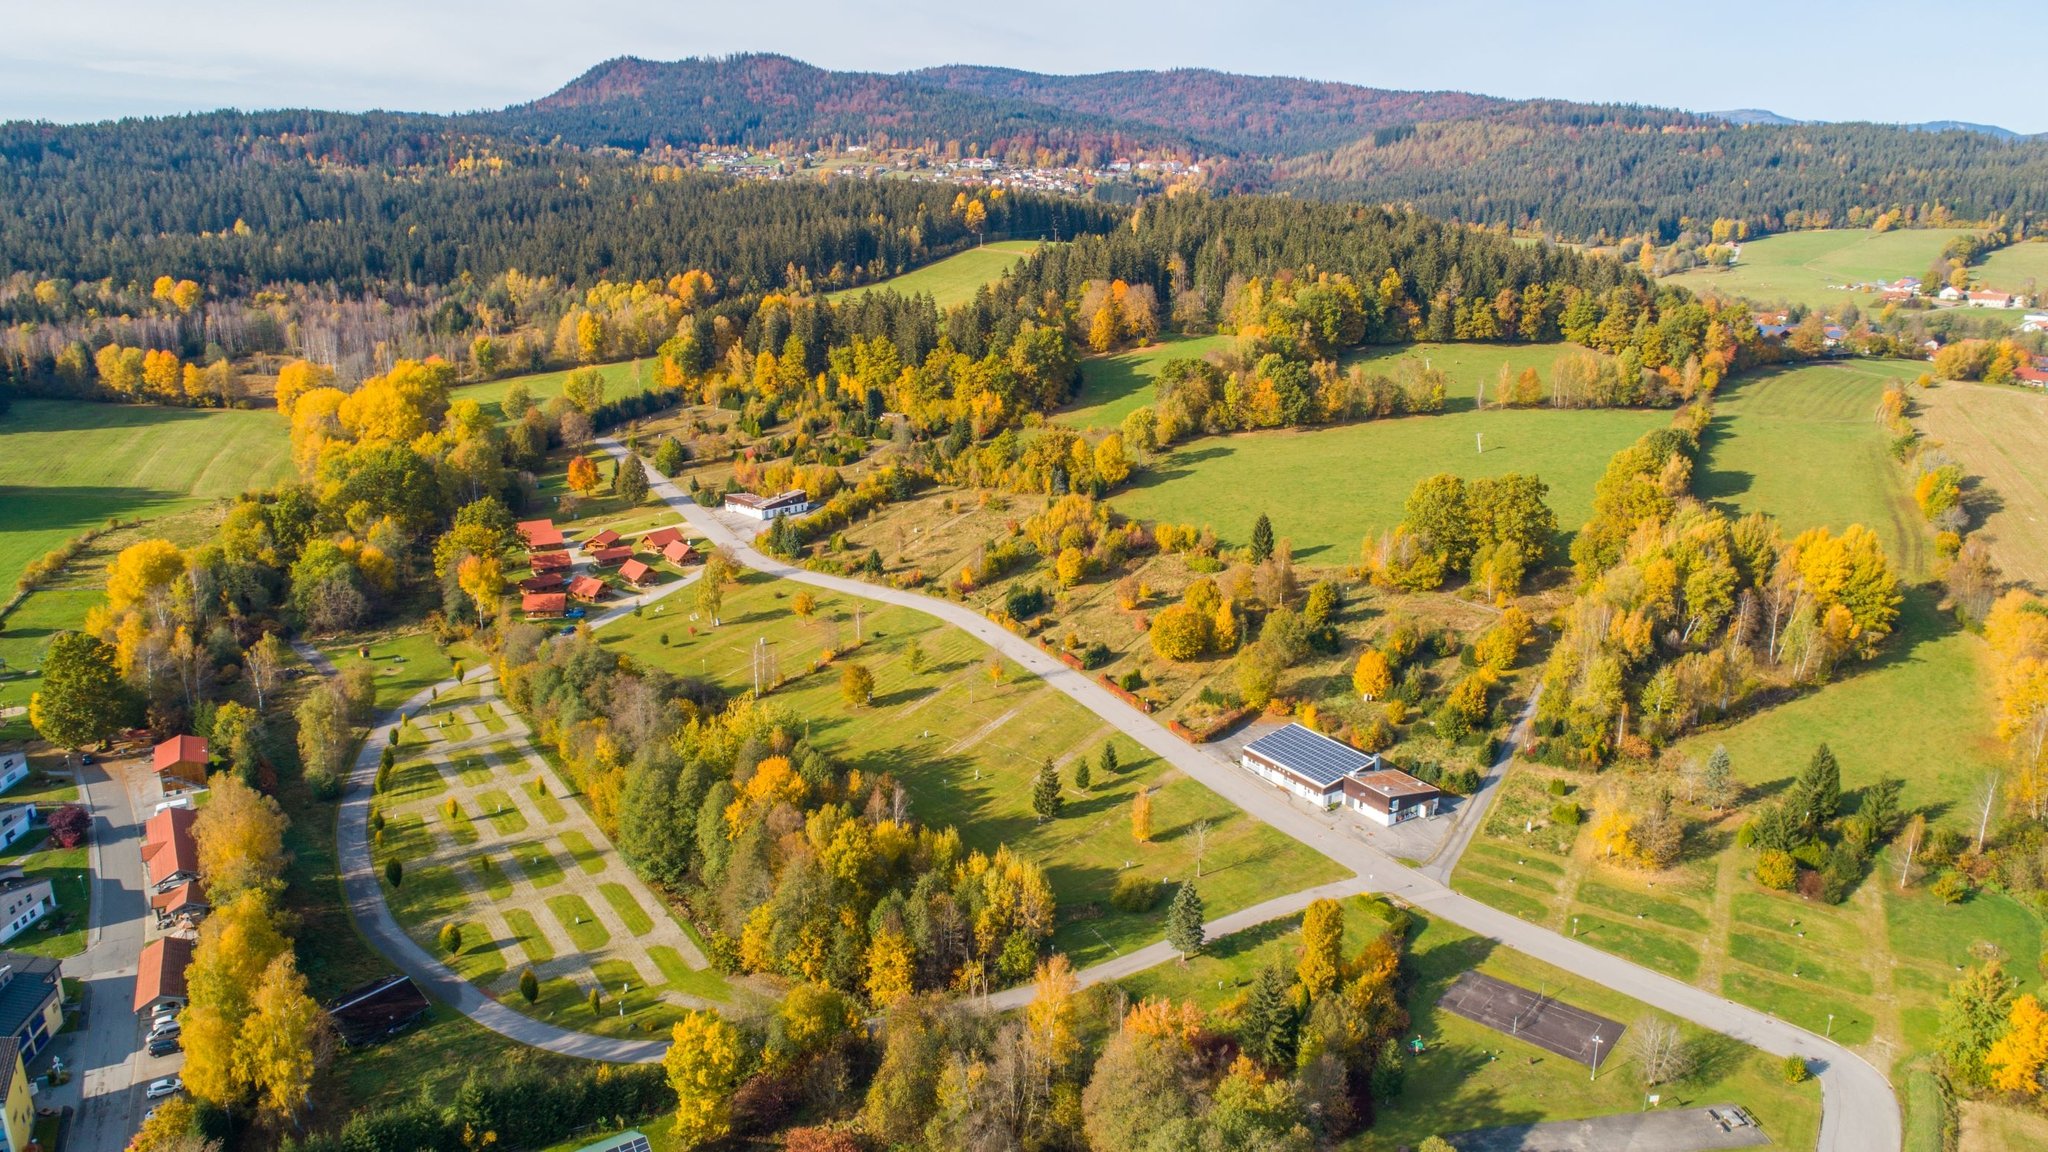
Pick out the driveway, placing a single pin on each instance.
(1860, 1111)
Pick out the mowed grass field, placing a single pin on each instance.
(2000, 435)
(955, 279)
(1799, 267)
(2017, 268)
(1327, 488)
(1803, 445)
(624, 378)
(1112, 387)
(967, 749)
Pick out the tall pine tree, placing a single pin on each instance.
(1045, 793)
(1184, 921)
(1270, 1027)
(1817, 795)
(1262, 539)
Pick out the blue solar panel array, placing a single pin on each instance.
(624, 1142)
(1312, 755)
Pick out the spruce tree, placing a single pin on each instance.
(1110, 766)
(1184, 921)
(1270, 1027)
(1083, 777)
(1262, 539)
(1718, 784)
(1045, 793)
(1818, 793)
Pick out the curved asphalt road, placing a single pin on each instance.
(1860, 1111)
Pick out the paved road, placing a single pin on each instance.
(106, 1058)
(1860, 1112)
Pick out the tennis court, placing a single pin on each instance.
(1532, 1016)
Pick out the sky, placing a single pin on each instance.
(73, 60)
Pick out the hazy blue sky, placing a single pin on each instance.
(1881, 60)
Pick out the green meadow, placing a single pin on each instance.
(1800, 267)
(1114, 386)
(2017, 268)
(1327, 488)
(967, 749)
(624, 378)
(955, 279)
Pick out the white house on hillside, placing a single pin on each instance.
(13, 769)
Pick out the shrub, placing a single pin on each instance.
(1134, 892)
(1024, 601)
(324, 785)
(1793, 1069)
(1777, 870)
(1558, 787)
(1461, 781)
(69, 826)
(1565, 814)
(1952, 887)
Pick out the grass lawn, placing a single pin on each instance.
(583, 852)
(2021, 268)
(1990, 1127)
(1802, 445)
(498, 808)
(538, 863)
(577, 919)
(1997, 432)
(1226, 482)
(631, 914)
(625, 378)
(491, 875)
(405, 663)
(967, 750)
(434, 1057)
(527, 934)
(62, 932)
(1112, 387)
(955, 279)
(1813, 268)
(550, 808)
(1471, 367)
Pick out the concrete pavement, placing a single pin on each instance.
(1860, 1111)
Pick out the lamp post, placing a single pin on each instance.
(1831, 1026)
(1575, 927)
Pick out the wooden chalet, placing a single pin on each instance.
(543, 605)
(635, 573)
(588, 589)
(181, 761)
(544, 582)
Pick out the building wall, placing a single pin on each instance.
(13, 770)
(17, 1119)
(1289, 781)
(22, 907)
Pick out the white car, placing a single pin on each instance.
(158, 1089)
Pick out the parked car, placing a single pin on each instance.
(574, 614)
(158, 1089)
(164, 1045)
(165, 1026)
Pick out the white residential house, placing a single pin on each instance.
(1333, 775)
(15, 820)
(24, 903)
(13, 769)
(794, 502)
(2035, 322)
(1950, 292)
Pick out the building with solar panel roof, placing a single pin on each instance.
(1324, 772)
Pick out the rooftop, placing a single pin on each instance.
(180, 750)
(1393, 782)
(1312, 755)
(29, 984)
(162, 970)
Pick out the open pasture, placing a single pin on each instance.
(1114, 386)
(967, 749)
(955, 279)
(623, 378)
(1327, 488)
(1801, 267)
(2021, 268)
(1998, 434)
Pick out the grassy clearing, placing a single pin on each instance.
(1997, 433)
(625, 378)
(406, 663)
(457, 822)
(580, 850)
(577, 919)
(527, 934)
(1802, 444)
(967, 749)
(1990, 1127)
(955, 279)
(414, 780)
(491, 875)
(498, 808)
(538, 864)
(1112, 387)
(550, 808)
(1226, 482)
(1813, 268)
(2021, 268)
(434, 1056)
(631, 914)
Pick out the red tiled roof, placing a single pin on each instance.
(661, 538)
(545, 561)
(180, 750)
(162, 971)
(604, 539)
(611, 556)
(545, 582)
(167, 844)
(635, 571)
(543, 603)
(586, 588)
(678, 551)
(540, 534)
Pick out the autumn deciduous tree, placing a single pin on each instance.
(583, 477)
(1322, 942)
(856, 685)
(283, 1040)
(82, 700)
(240, 840)
(1141, 816)
(705, 1061)
(236, 944)
(2018, 1058)
(482, 579)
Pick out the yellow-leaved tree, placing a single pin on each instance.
(2018, 1058)
(236, 944)
(240, 839)
(282, 1039)
(1322, 941)
(705, 1061)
